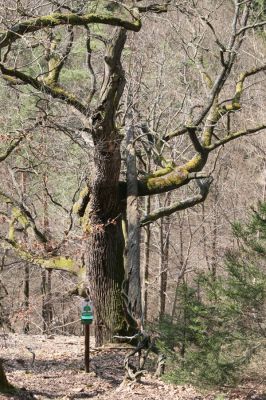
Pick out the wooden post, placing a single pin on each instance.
(87, 347)
(86, 319)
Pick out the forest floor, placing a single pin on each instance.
(58, 373)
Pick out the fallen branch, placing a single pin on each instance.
(145, 345)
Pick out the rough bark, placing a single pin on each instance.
(105, 244)
(103, 214)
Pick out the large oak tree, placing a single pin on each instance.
(108, 203)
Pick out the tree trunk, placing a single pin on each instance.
(164, 256)
(49, 300)
(133, 242)
(164, 245)
(47, 311)
(44, 308)
(26, 288)
(105, 247)
(5, 386)
(102, 221)
(26, 291)
(146, 262)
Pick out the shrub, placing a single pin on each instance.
(213, 334)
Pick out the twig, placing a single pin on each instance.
(33, 355)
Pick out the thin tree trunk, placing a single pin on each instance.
(182, 269)
(49, 298)
(26, 291)
(26, 288)
(44, 308)
(46, 275)
(133, 242)
(164, 237)
(146, 263)
(164, 250)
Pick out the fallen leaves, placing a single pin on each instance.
(58, 374)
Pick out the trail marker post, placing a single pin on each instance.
(86, 320)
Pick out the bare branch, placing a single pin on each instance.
(23, 214)
(90, 67)
(236, 135)
(251, 26)
(155, 8)
(204, 185)
(13, 145)
(195, 141)
(55, 91)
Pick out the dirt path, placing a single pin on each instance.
(58, 373)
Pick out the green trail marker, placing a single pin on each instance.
(86, 320)
(87, 312)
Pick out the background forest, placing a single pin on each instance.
(133, 171)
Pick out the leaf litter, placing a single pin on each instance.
(57, 373)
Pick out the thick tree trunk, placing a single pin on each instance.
(105, 243)
(103, 214)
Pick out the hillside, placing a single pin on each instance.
(58, 373)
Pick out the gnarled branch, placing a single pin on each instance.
(56, 19)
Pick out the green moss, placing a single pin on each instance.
(49, 21)
(216, 114)
(60, 263)
(5, 199)
(84, 211)
(20, 217)
(9, 79)
(17, 215)
(85, 222)
(234, 106)
(163, 171)
(61, 92)
(80, 206)
(174, 178)
(53, 74)
(195, 164)
(75, 19)
(11, 231)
